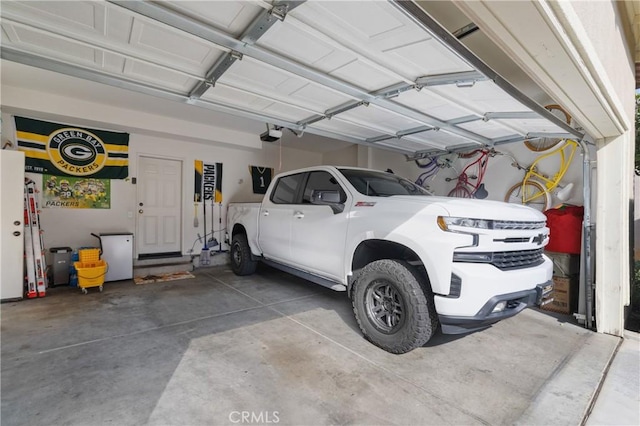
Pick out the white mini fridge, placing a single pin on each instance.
(117, 251)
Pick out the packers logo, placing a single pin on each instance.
(76, 151)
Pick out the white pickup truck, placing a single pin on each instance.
(408, 260)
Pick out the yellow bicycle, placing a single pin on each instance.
(535, 188)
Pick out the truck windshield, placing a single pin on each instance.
(381, 184)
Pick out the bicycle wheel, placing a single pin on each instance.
(538, 198)
(544, 144)
(460, 192)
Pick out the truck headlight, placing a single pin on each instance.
(461, 256)
(444, 222)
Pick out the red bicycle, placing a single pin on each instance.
(474, 171)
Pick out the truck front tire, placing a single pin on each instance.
(394, 311)
(241, 261)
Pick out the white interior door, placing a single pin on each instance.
(159, 206)
(11, 224)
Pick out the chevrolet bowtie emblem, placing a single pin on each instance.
(538, 239)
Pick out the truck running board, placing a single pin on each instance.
(305, 275)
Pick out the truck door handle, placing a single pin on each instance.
(298, 215)
(265, 213)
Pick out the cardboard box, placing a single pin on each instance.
(563, 295)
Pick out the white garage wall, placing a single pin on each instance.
(341, 157)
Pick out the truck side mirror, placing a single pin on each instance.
(329, 198)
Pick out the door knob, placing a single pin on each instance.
(140, 211)
(16, 233)
(16, 223)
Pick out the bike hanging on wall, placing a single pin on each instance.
(536, 188)
(469, 183)
(432, 168)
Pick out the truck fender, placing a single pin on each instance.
(437, 262)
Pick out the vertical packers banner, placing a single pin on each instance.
(208, 182)
(75, 193)
(61, 150)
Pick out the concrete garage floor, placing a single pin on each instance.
(271, 348)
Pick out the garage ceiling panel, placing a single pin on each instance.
(230, 16)
(380, 20)
(483, 96)
(237, 98)
(82, 16)
(310, 47)
(433, 104)
(54, 47)
(393, 42)
(536, 126)
(409, 145)
(490, 129)
(252, 75)
(118, 26)
(172, 44)
(255, 103)
(114, 63)
(427, 57)
(288, 112)
(148, 73)
(442, 140)
(299, 44)
(317, 97)
(379, 117)
(350, 129)
(376, 73)
(363, 75)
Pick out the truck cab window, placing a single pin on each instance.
(322, 181)
(381, 184)
(286, 189)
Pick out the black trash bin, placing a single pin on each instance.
(60, 263)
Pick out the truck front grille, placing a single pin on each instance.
(517, 259)
(505, 260)
(512, 224)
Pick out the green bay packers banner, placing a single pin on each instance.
(62, 150)
(208, 181)
(75, 193)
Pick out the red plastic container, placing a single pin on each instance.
(565, 225)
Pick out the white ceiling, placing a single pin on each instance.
(323, 56)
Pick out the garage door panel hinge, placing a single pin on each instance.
(279, 11)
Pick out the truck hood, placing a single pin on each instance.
(473, 208)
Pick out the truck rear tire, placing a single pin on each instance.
(241, 261)
(394, 311)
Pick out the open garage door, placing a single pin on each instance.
(381, 74)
